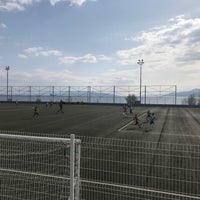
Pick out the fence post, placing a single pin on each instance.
(113, 94)
(77, 189)
(11, 92)
(72, 150)
(30, 93)
(175, 94)
(89, 94)
(69, 95)
(53, 93)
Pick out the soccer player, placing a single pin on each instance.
(51, 104)
(124, 109)
(152, 118)
(136, 119)
(148, 117)
(61, 106)
(36, 112)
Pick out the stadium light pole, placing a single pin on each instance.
(7, 68)
(140, 62)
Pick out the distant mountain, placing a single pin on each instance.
(195, 92)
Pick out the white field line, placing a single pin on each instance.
(103, 183)
(123, 127)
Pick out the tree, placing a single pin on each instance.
(131, 99)
(185, 101)
(192, 100)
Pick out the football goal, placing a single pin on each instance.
(33, 167)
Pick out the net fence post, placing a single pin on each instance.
(77, 189)
(72, 151)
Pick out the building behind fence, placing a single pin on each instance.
(155, 94)
(110, 169)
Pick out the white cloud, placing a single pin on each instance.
(103, 58)
(53, 2)
(42, 77)
(10, 6)
(71, 2)
(68, 60)
(2, 25)
(171, 52)
(19, 5)
(40, 51)
(77, 2)
(50, 53)
(175, 43)
(88, 58)
(33, 50)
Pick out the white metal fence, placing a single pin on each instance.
(110, 169)
(155, 94)
(33, 168)
(113, 169)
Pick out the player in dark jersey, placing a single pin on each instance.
(61, 106)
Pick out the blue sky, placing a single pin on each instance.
(98, 42)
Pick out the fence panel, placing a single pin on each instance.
(120, 169)
(157, 94)
(110, 169)
(33, 167)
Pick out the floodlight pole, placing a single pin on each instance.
(140, 62)
(7, 68)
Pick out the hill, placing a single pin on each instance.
(195, 92)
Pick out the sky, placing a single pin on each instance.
(98, 42)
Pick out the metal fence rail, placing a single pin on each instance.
(99, 191)
(156, 94)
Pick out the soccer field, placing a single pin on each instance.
(164, 159)
(87, 120)
(173, 124)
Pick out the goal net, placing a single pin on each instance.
(39, 167)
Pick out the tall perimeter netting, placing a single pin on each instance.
(38, 167)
